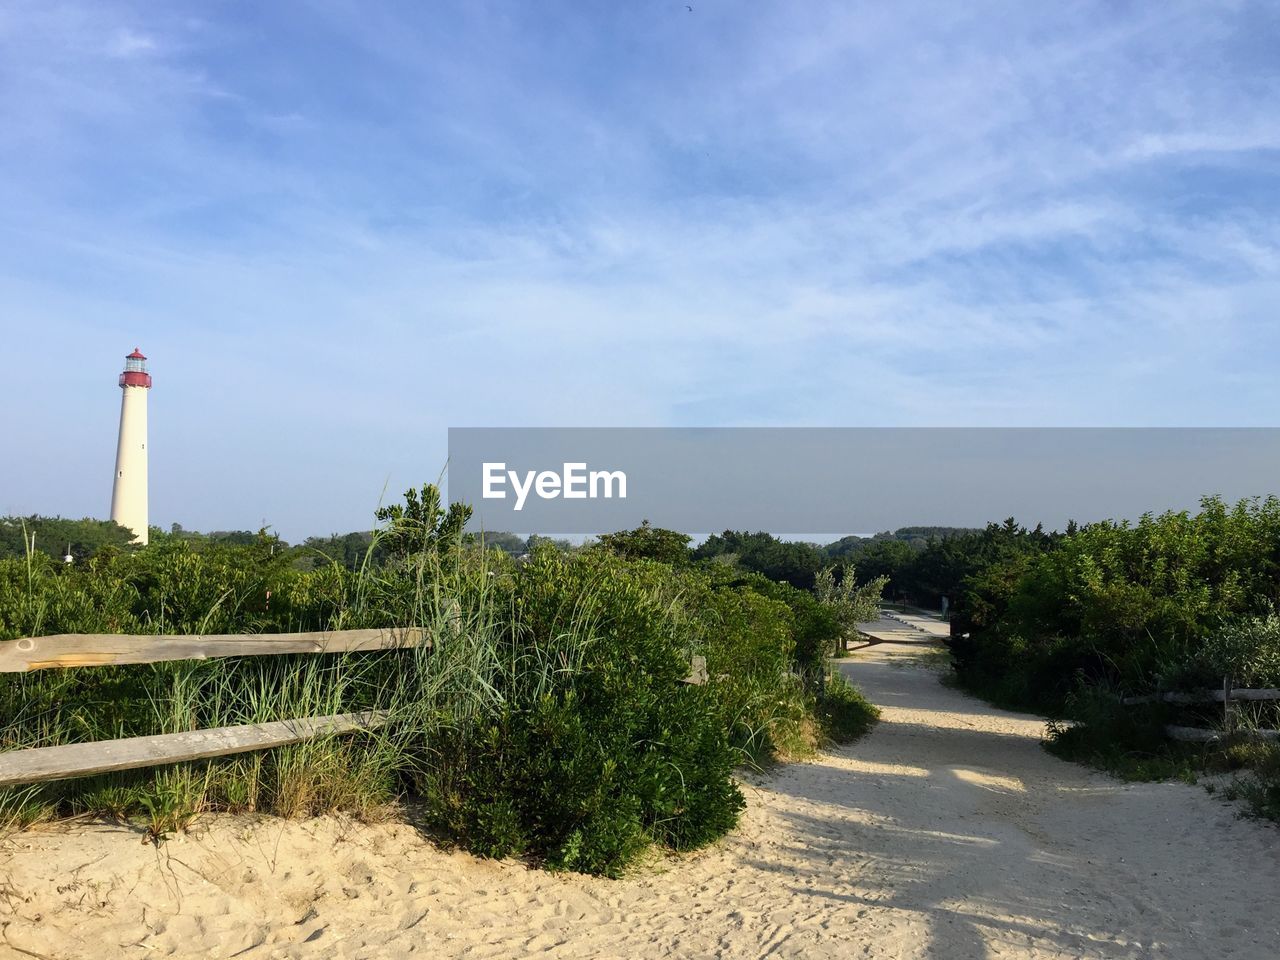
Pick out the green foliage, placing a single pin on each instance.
(890, 559)
(815, 627)
(782, 560)
(547, 718)
(1119, 603)
(420, 527)
(598, 750)
(1247, 651)
(53, 535)
(646, 542)
(1126, 741)
(1068, 624)
(510, 543)
(749, 643)
(849, 601)
(944, 567)
(920, 564)
(351, 551)
(845, 714)
(231, 538)
(535, 540)
(1260, 787)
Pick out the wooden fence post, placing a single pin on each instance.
(1228, 715)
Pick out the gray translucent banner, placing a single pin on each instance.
(845, 480)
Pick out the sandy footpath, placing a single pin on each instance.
(947, 833)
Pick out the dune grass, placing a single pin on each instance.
(546, 718)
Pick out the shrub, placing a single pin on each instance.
(598, 749)
(1247, 651)
(780, 560)
(1260, 787)
(646, 542)
(1119, 604)
(547, 718)
(844, 712)
(749, 643)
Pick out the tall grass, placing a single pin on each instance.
(546, 717)
(445, 685)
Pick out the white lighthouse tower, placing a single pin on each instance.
(129, 493)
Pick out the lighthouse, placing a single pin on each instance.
(129, 492)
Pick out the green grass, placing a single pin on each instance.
(546, 719)
(844, 714)
(1126, 759)
(1258, 786)
(1129, 744)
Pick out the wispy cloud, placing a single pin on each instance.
(350, 229)
(127, 44)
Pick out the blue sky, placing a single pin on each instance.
(339, 228)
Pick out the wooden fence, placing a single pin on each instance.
(107, 649)
(1228, 696)
(35, 764)
(66, 650)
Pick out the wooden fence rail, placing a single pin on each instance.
(1227, 695)
(110, 756)
(1205, 696)
(1201, 735)
(36, 764)
(106, 649)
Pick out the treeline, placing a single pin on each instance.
(548, 718)
(58, 537)
(918, 565)
(1127, 605)
(1068, 624)
(922, 564)
(923, 572)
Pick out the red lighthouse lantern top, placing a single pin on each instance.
(135, 371)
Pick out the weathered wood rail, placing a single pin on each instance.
(1227, 695)
(1201, 735)
(110, 756)
(109, 649)
(72, 650)
(61, 651)
(1204, 696)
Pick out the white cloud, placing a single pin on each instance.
(128, 44)
(1001, 213)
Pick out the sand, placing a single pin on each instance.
(946, 833)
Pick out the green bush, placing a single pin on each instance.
(1247, 651)
(749, 642)
(1260, 787)
(1118, 604)
(548, 717)
(1178, 600)
(598, 750)
(647, 542)
(845, 714)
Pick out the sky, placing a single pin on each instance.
(339, 228)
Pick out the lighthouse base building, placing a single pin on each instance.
(129, 490)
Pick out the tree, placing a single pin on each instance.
(789, 561)
(512, 543)
(649, 542)
(851, 602)
(86, 537)
(348, 550)
(421, 526)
